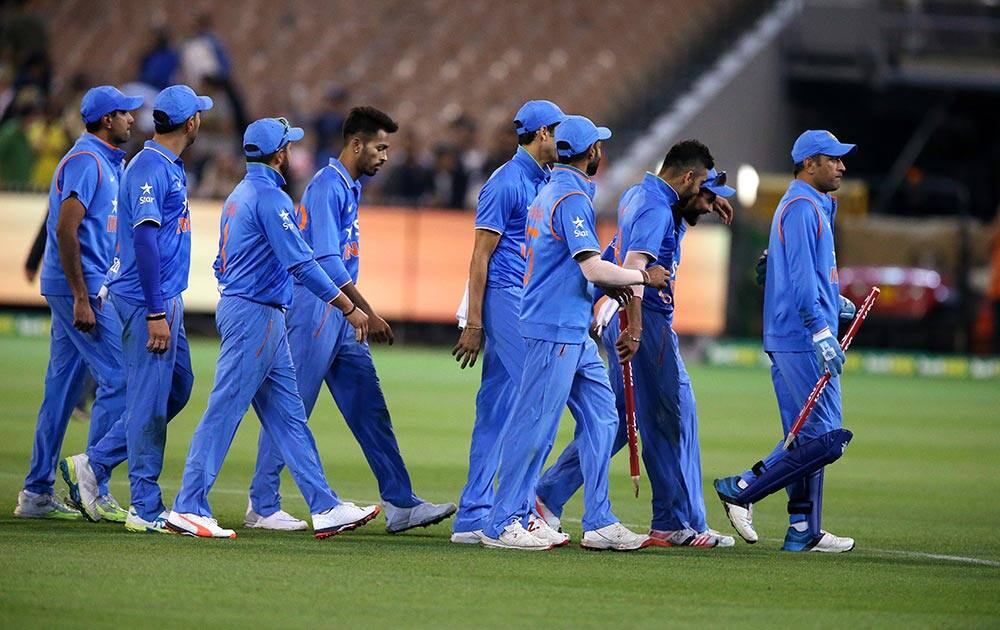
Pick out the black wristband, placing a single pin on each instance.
(348, 313)
(155, 317)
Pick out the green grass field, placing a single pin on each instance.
(919, 488)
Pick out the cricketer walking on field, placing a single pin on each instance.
(496, 280)
(802, 305)
(260, 249)
(322, 341)
(653, 217)
(561, 362)
(145, 284)
(80, 240)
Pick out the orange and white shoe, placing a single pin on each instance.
(197, 526)
(689, 538)
(342, 518)
(550, 519)
(542, 531)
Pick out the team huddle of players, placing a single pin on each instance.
(291, 318)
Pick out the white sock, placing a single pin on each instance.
(801, 526)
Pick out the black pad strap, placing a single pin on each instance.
(758, 468)
(800, 507)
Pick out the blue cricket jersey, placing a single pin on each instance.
(153, 188)
(802, 292)
(328, 218)
(259, 241)
(557, 300)
(90, 171)
(646, 224)
(503, 208)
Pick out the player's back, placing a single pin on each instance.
(556, 305)
(256, 221)
(90, 171)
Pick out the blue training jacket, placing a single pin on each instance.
(801, 294)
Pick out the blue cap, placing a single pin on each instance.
(575, 134)
(179, 102)
(105, 99)
(817, 142)
(534, 115)
(267, 135)
(716, 182)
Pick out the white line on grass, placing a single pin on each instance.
(888, 552)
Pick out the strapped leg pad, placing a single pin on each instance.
(801, 461)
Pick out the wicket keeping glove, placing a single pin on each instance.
(760, 269)
(847, 309)
(829, 356)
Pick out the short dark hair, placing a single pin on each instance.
(687, 154)
(797, 167)
(261, 159)
(367, 120)
(94, 127)
(579, 157)
(162, 124)
(529, 136)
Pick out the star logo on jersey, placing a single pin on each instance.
(579, 232)
(285, 219)
(114, 205)
(147, 194)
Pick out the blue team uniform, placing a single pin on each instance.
(324, 348)
(153, 189)
(503, 208)
(561, 364)
(665, 404)
(90, 171)
(801, 298)
(259, 245)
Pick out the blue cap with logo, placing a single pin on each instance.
(179, 102)
(105, 99)
(267, 135)
(575, 135)
(716, 182)
(534, 115)
(818, 142)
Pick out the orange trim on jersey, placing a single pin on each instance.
(322, 322)
(303, 216)
(104, 142)
(222, 249)
(553, 211)
(781, 215)
(70, 157)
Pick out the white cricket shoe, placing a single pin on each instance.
(342, 518)
(741, 516)
(139, 525)
(467, 538)
(833, 544)
(514, 536)
(723, 540)
(280, 520)
(33, 505)
(614, 536)
(541, 530)
(424, 514)
(551, 519)
(197, 526)
(82, 483)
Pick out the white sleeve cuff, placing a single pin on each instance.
(823, 334)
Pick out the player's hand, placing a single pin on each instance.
(847, 309)
(722, 208)
(83, 315)
(626, 346)
(359, 320)
(658, 277)
(622, 295)
(466, 351)
(760, 269)
(829, 355)
(379, 330)
(158, 340)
